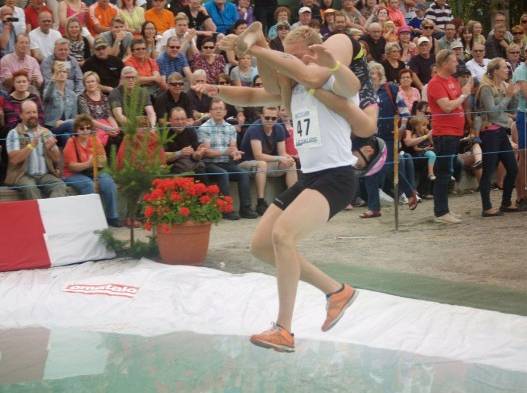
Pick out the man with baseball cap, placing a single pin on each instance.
(304, 17)
(421, 64)
(107, 67)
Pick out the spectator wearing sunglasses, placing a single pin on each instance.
(514, 58)
(518, 39)
(167, 100)
(208, 60)
(265, 154)
(282, 28)
(147, 68)
(478, 65)
(172, 60)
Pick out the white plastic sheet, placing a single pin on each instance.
(207, 301)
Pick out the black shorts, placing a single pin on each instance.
(338, 185)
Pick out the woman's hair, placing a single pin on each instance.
(391, 46)
(137, 41)
(280, 10)
(418, 106)
(205, 40)
(144, 25)
(488, 78)
(81, 120)
(18, 73)
(120, 3)
(69, 22)
(403, 72)
(373, 66)
(87, 74)
(305, 34)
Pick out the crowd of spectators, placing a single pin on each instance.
(69, 68)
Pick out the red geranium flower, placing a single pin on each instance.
(184, 211)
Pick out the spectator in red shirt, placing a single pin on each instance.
(32, 10)
(446, 97)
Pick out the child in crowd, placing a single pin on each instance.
(420, 126)
(415, 23)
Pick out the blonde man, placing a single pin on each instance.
(186, 36)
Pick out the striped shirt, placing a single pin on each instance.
(219, 135)
(168, 65)
(36, 164)
(440, 16)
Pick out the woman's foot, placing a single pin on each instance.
(493, 212)
(370, 214)
(413, 200)
(251, 36)
(431, 177)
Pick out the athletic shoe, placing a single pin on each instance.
(447, 219)
(232, 216)
(276, 338)
(261, 207)
(337, 305)
(248, 213)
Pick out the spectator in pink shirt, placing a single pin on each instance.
(20, 60)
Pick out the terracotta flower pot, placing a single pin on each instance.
(184, 244)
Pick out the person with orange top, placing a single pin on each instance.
(100, 18)
(147, 68)
(162, 18)
(80, 153)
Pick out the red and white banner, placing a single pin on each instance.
(51, 232)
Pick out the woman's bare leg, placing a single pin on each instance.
(262, 248)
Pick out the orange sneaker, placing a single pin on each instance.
(276, 338)
(337, 305)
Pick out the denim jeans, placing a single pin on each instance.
(372, 184)
(108, 191)
(63, 132)
(496, 147)
(406, 173)
(226, 171)
(446, 148)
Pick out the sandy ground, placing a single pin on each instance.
(488, 251)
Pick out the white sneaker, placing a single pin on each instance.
(447, 219)
(403, 200)
(385, 197)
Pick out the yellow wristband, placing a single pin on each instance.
(311, 92)
(30, 146)
(335, 67)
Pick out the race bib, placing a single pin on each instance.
(307, 128)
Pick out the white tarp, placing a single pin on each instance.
(148, 298)
(70, 224)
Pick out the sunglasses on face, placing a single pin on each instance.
(222, 83)
(514, 53)
(478, 50)
(174, 46)
(208, 47)
(176, 83)
(428, 27)
(283, 28)
(85, 128)
(517, 32)
(136, 49)
(523, 21)
(270, 118)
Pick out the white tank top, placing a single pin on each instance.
(322, 137)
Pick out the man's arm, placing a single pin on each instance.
(256, 147)
(151, 114)
(6, 33)
(448, 105)
(239, 96)
(118, 115)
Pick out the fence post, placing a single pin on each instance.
(396, 169)
(95, 163)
